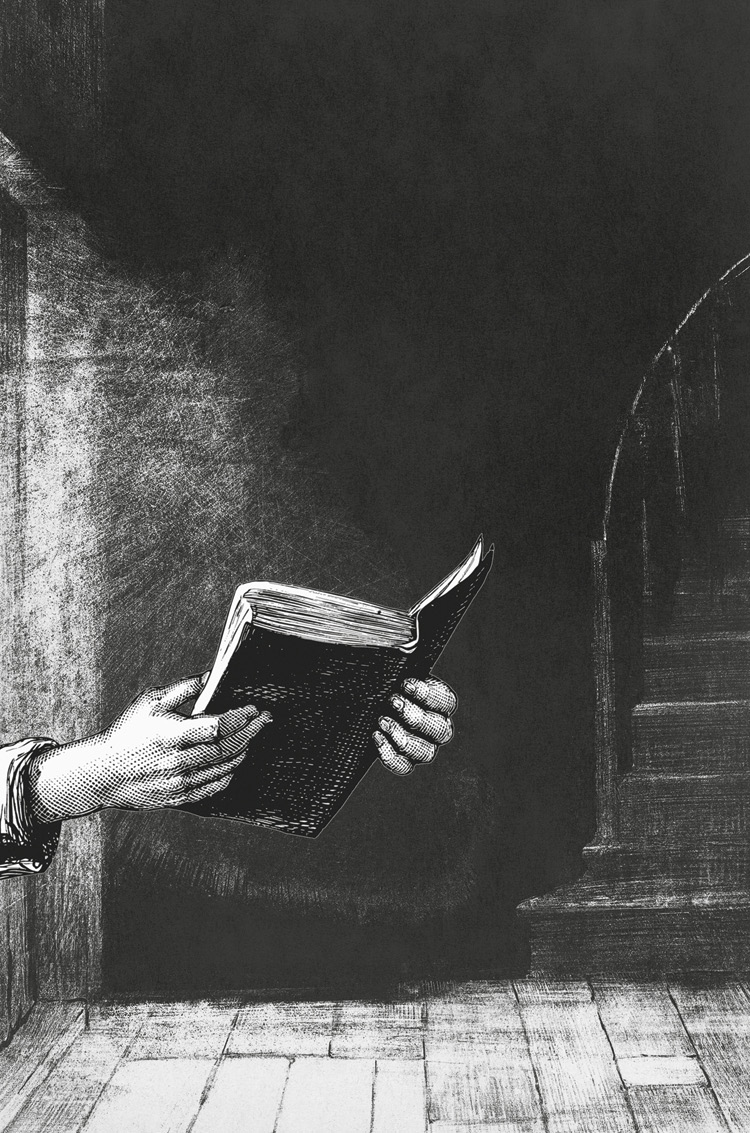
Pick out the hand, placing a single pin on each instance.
(150, 756)
(425, 709)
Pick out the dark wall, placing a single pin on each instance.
(475, 224)
(51, 54)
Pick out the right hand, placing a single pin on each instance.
(150, 756)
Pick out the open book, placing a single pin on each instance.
(325, 667)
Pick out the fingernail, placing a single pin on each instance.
(398, 702)
(385, 724)
(410, 685)
(377, 737)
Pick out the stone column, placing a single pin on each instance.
(15, 967)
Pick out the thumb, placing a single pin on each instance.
(176, 694)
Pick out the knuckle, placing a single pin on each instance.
(202, 738)
(396, 763)
(181, 782)
(413, 746)
(170, 761)
(188, 761)
(420, 691)
(162, 793)
(401, 739)
(409, 711)
(419, 719)
(445, 732)
(422, 744)
(186, 765)
(439, 694)
(208, 754)
(164, 752)
(210, 728)
(421, 748)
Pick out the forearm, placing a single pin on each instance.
(58, 787)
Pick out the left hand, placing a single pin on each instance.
(421, 722)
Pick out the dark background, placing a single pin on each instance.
(475, 224)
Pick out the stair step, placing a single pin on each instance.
(683, 808)
(701, 607)
(673, 895)
(729, 547)
(736, 529)
(698, 736)
(636, 930)
(712, 863)
(713, 591)
(713, 666)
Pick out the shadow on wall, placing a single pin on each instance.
(157, 481)
(196, 493)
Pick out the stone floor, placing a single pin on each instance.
(523, 1057)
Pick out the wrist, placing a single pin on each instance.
(57, 787)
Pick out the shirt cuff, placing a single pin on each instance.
(26, 846)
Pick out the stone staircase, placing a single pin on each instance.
(670, 891)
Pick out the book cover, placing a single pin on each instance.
(324, 692)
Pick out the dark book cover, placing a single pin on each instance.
(325, 699)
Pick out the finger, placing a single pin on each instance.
(432, 694)
(431, 725)
(236, 718)
(223, 751)
(197, 794)
(390, 758)
(187, 759)
(198, 776)
(414, 747)
(238, 741)
(207, 729)
(172, 696)
(197, 730)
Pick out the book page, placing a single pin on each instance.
(457, 576)
(240, 615)
(320, 618)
